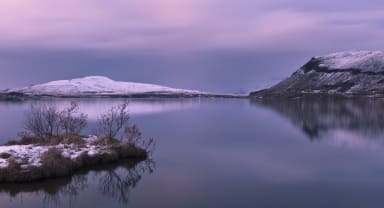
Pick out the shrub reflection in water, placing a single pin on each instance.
(114, 181)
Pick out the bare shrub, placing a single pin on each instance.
(43, 120)
(132, 133)
(72, 121)
(113, 121)
(46, 122)
(134, 138)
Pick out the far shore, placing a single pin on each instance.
(24, 97)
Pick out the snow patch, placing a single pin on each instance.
(364, 60)
(30, 155)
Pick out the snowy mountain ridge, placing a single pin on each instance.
(350, 73)
(363, 60)
(97, 85)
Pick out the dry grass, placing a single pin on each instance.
(126, 150)
(75, 139)
(53, 140)
(54, 164)
(5, 155)
(84, 160)
(25, 140)
(105, 141)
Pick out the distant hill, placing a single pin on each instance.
(99, 86)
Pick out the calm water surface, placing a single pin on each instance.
(227, 153)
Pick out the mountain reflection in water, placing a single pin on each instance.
(334, 120)
(114, 181)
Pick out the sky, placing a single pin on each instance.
(213, 45)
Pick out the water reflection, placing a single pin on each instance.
(114, 181)
(231, 153)
(12, 113)
(135, 106)
(339, 121)
(118, 185)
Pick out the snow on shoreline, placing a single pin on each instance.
(30, 155)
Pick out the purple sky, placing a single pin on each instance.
(214, 45)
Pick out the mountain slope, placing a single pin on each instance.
(351, 73)
(98, 86)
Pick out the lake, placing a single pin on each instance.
(322, 152)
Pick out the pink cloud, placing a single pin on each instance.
(181, 24)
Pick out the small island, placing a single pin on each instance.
(52, 146)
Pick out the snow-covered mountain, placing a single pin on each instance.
(98, 86)
(351, 73)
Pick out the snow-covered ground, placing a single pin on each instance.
(30, 155)
(97, 85)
